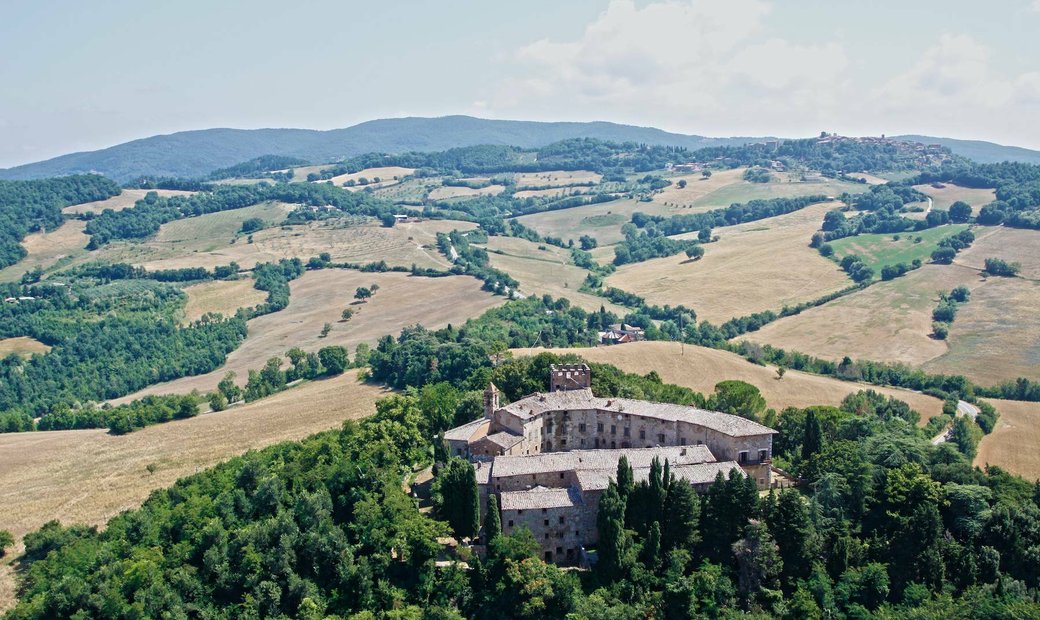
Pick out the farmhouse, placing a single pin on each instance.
(550, 456)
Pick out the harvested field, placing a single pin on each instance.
(385, 174)
(23, 346)
(887, 322)
(552, 192)
(556, 178)
(544, 271)
(221, 296)
(122, 201)
(996, 335)
(756, 266)
(446, 192)
(869, 178)
(1015, 245)
(878, 250)
(603, 221)
(49, 249)
(89, 476)
(701, 368)
(319, 297)
(786, 186)
(1015, 443)
(697, 186)
(945, 196)
(346, 239)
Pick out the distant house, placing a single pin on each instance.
(621, 333)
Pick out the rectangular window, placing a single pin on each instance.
(763, 455)
(660, 437)
(545, 523)
(547, 536)
(682, 441)
(613, 429)
(563, 442)
(642, 433)
(599, 427)
(510, 523)
(561, 477)
(560, 520)
(581, 427)
(742, 457)
(628, 432)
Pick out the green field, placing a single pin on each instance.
(744, 192)
(878, 250)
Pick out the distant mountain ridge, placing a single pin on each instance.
(197, 153)
(190, 154)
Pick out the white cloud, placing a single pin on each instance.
(690, 64)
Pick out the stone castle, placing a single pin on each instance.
(550, 456)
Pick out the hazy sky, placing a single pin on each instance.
(84, 75)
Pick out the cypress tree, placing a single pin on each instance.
(493, 519)
(613, 540)
(792, 529)
(651, 554)
(813, 440)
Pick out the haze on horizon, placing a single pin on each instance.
(82, 76)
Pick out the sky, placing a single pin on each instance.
(86, 75)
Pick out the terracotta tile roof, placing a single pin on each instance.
(504, 439)
(693, 473)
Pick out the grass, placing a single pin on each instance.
(49, 250)
(207, 241)
(90, 476)
(386, 174)
(945, 196)
(123, 201)
(996, 336)
(786, 186)
(556, 178)
(547, 271)
(602, 221)
(1015, 245)
(23, 346)
(878, 250)
(757, 266)
(1013, 444)
(446, 192)
(319, 297)
(888, 322)
(221, 296)
(700, 369)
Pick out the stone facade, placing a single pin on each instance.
(549, 456)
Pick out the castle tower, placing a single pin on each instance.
(490, 399)
(563, 377)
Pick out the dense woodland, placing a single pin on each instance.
(887, 525)
(35, 206)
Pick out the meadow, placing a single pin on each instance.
(784, 185)
(943, 197)
(221, 296)
(1012, 444)
(1015, 245)
(756, 266)
(700, 368)
(556, 178)
(48, 250)
(22, 346)
(123, 201)
(878, 250)
(549, 271)
(319, 297)
(448, 192)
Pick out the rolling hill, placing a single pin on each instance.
(197, 153)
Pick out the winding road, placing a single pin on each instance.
(963, 408)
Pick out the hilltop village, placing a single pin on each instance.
(549, 457)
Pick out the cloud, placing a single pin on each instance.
(687, 64)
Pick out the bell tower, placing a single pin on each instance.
(490, 400)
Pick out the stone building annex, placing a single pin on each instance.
(550, 456)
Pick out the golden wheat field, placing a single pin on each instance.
(48, 250)
(385, 174)
(556, 178)
(1013, 443)
(1015, 245)
(753, 267)
(124, 200)
(943, 197)
(701, 368)
(889, 321)
(89, 476)
(446, 192)
(319, 297)
(345, 239)
(221, 296)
